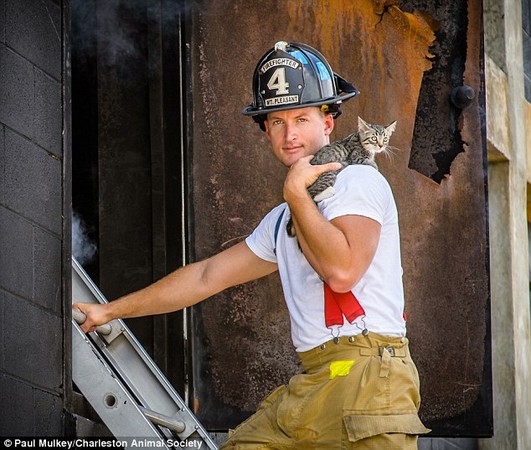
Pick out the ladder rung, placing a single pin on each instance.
(160, 419)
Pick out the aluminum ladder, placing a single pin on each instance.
(123, 384)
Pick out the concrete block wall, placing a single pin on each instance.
(31, 211)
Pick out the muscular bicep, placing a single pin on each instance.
(234, 266)
(362, 235)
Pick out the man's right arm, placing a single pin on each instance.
(184, 287)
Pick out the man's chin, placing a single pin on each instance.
(289, 160)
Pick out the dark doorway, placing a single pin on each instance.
(128, 160)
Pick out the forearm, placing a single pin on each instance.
(174, 292)
(324, 245)
(184, 287)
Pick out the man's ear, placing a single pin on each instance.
(266, 129)
(329, 124)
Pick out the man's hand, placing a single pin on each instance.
(96, 314)
(301, 175)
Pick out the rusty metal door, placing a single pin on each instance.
(410, 61)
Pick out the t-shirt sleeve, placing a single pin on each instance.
(262, 240)
(360, 190)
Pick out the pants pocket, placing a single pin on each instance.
(363, 426)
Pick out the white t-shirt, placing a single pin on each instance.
(360, 190)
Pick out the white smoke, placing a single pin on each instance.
(83, 249)
(111, 28)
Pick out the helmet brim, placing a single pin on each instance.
(252, 111)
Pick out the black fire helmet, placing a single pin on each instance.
(294, 75)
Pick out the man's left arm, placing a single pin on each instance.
(341, 250)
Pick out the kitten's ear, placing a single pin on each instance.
(391, 127)
(362, 125)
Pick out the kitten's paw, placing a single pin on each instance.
(327, 193)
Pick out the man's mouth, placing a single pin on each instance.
(292, 149)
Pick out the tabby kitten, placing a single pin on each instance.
(359, 147)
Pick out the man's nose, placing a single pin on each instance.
(291, 132)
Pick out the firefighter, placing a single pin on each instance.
(341, 276)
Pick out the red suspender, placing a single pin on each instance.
(339, 304)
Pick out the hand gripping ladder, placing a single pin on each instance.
(123, 384)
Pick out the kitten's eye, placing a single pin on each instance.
(373, 139)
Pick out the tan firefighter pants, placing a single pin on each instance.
(359, 393)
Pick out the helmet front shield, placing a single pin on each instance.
(294, 75)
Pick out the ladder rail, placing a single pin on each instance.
(128, 357)
(106, 393)
(134, 366)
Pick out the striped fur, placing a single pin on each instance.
(359, 147)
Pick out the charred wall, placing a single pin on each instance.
(405, 59)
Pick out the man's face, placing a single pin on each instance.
(295, 133)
